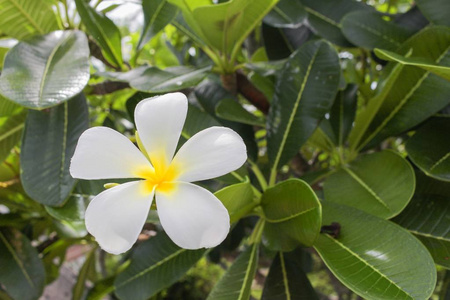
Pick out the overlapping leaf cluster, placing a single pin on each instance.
(343, 106)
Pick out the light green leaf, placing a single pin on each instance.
(8, 108)
(437, 11)
(304, 92)
(103, 31)
(380, 183)
(423, 63)
(23, 274)
(155, 264)
(44, 71)
(231, 110)
(72, 210)
(293, 215)
(21, 19)
(155, 80)
(88, 267)
(286, 14)
(375, 258)
(236, 283)
(238, 199)
(10, 132)
(429, 148)
(428, 217)
(287, 280)
(157, 15)
(325, 17)
(48, 144)
(369, 30)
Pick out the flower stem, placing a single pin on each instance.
(259, 175)
(257, 232)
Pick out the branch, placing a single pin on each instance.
(251, 93)
(107, 87)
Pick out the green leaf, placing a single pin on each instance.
(236, 283)
(21, 19)
(10, 132)
(429, 185)
(406, 89)
(157, 15)
(287, 280)
(238, 199)
(369, 30)
(72, 210)
(23, 274)
(380, 183)
(101, 288)
(155, 264)
(375, 258)
(325, 17)
(88, 267)
(423, 63)
(103, 31)
(428, 217)
(293, 215)
(196, 121)
(304, 92)
(231, 110)
(155, 80)
(48, 144)
(8, 108)
(437, 11)
(286, 14)
(44, 71)
(429, 148)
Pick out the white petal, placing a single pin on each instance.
(159, 121)
(210, 153)
(192, 216)
(116, 216)
(103, 153)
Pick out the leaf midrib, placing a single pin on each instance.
(285, 278)
(247, 271)
(27, 16)
(323, 17)
(440, 161)
(377, 33)
(11, 131)
(291, 216)
(64, 147)
(152, 20)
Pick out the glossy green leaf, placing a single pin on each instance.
(236, 283)
(197, 120)
(157, 15)
(155, 80)
(429, 148)
(238, 199)
(428, 217)
(325, 17)
(44, 71)
(155, 264)
(375, 258)
(23, 274)
(425, 64)
(286, 279)
(103, 31)
(21, 19)
(286, 14)
(231, 110)
(72, 210)
(10, 132)
(293, 215)
(413, 20)
(437, 11)
(304, 92)
(428, 185)
(402, 97)
(380, 183)
(48, 145)
(79, 289)
(369, 30)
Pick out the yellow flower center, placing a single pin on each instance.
(161, 177)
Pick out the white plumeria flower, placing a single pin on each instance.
(191, 215)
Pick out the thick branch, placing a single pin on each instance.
(251, 93)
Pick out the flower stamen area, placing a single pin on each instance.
(161, 178)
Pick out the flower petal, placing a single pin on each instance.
(210, 153)
(116, 216)
(159, 121)
(192, 216)
(103, 153)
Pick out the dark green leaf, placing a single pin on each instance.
(48, 144)
(21, 19)
(369, 30)
(23, 274)
(286, 279)
(157, 15)
(380, 183)
(304, 92)
(231, 110)
(72, 210)
(286, 14)
(437, 11)
(375, 258)
(236, 283)
(238, 199)
(293, 215)
(155, 264)
(103, 31)
(413, 20)
(44, 71)
(10, 132)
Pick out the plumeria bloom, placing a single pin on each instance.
(191, 215)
